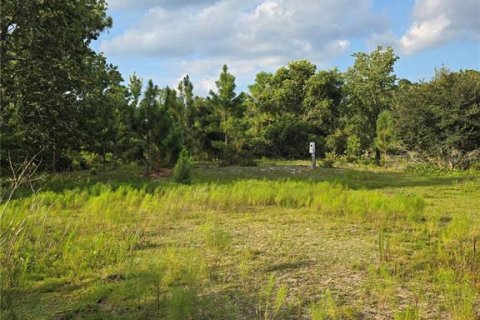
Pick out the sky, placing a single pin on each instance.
(164, 40)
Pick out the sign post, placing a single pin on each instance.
(312, 152)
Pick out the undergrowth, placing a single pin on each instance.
(102, 234)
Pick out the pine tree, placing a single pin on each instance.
(182, 171)
(385, 139)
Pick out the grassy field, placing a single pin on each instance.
(276, 241)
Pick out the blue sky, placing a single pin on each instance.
(166, 39)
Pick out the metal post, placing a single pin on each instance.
(312, 152)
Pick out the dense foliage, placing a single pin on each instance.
(440, 119)
(53, 83)
(63, 103)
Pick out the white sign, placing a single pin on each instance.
(312, 147)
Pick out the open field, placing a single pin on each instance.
(269, 242)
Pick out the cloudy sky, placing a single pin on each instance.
(166, 39)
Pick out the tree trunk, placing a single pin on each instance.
(226, 140)
(385, 159)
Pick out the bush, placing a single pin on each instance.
(182, 171)
(353, 148)
(288, 138)
(425, 168)
(90, 159)
(231, 157)
(336, 142)
(475, 166)
(329, 160)
(327, 163)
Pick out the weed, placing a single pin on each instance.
(215, 237)
(181, 303)
(326, 308)
(271, 299)
(410, 313)
(383, 246)
(460, 297)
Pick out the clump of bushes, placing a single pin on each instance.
(232, 156)
(182, 173)
(329, 160)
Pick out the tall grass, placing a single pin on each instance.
(271, 299)
(78, 230)
(96, 231)
(328, 198)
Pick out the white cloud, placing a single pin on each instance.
(425, 34)
(438, 21)
(245, 29)
(145, 4)
(337, 47)
(247, 35)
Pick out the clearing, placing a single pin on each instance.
(276, 241)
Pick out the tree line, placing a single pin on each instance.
(63, 101)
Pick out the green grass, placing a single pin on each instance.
(276, 241)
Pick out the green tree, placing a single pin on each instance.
(172, 126)
(185, 89)
(121, 133)
(99, 121)
(353, 147)
(369, 87)
(157, 126)
(287, 137)
(130, 144)
(205, 130)
(322, 101)
(289, 86)
(187, 98)
(277, 104)
(258, 112)
(135, 90)
(146, 118)
(440, 119)
(385, 140)
(229, 105)
(46, 55)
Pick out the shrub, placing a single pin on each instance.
(272, 299)
(232, 156)
(326, 308)
(329, 160)
(353, 148)
(475, 166)
(90, 159)
(425, 168)
(336, 142)
(182, 172)
(215, 237)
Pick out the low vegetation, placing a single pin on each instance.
(267, 242)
